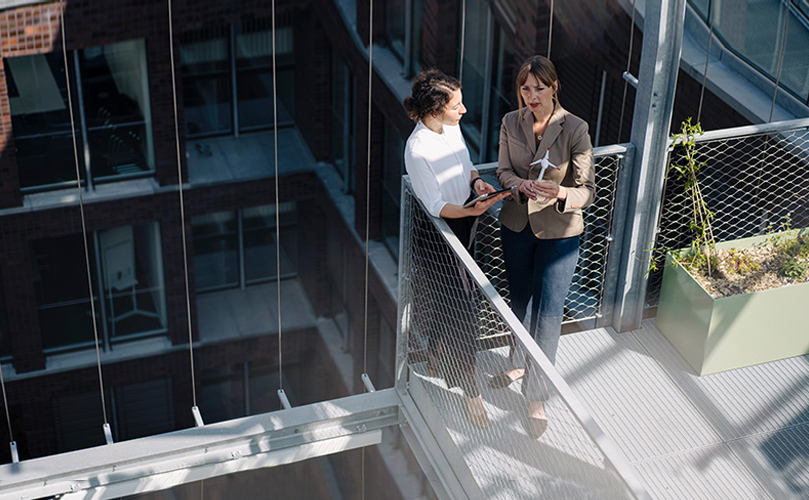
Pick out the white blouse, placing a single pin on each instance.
(439, 166)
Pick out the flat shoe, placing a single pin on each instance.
(536, 427)
(502, 380)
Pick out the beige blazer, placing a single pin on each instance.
(570, 149)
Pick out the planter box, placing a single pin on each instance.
(714, 335)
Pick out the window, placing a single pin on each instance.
(342, 121)
(127, 271)
(403, 32)
(5, 336)
(207, 94)
(254, 74)
(233, 391)
(233, 249)
(135, 410)
(393, 169)
(111, 115)
(396, 25)
(488, 81)
(228, 77)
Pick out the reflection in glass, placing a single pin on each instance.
(504, 74)
(474, 74)
(5, 336)
(238, 390)
(216, 243)
(117, 109)
(341, 117)
(207, 94)
(393, 169)
(395, 15)
(254, 74)
(260, 244)
(133, 284)
(40, 120)
(755, 32)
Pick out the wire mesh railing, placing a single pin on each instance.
(585, 299)
(448, 308)
(754, 182)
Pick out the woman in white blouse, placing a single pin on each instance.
(443, 177)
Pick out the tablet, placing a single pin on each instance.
(484, 197)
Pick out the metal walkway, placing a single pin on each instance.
(740, 434)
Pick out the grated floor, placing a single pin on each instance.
(737, 434)
(740, 434)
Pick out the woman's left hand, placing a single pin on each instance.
(550, 190)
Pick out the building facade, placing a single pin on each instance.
(186, 226)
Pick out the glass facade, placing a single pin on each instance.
(756, 31)
(111, 115)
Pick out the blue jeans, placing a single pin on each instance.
(539, 272)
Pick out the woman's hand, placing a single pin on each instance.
(481, 206)
(550, 190)
(529, 189)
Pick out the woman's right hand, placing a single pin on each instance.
(528, 188)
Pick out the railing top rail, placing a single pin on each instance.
(608, 150)
(756, 129)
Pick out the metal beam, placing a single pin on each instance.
(651, 123)
(167, 460)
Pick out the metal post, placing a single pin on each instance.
(651, 123)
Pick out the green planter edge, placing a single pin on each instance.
(715, 335)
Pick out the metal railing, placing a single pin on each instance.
(755, 181)
(448, 308)
(590, 289)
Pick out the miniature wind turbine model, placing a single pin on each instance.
(545, 164)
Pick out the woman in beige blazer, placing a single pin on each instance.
(540, 226)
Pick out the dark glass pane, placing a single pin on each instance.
(415, 36)
(63, 297)
(256, 97)
(223, 393)
(254, 89)
(119, 150)
(395, 16)
(260, 245)
(340, 144)
(504, 74)
(207, 93)
(133, 281)
(5, 336)
(40, 120)
(216, 244)
(117, 109)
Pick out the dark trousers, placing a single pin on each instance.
(539, 272)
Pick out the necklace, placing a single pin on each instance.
(539, 137)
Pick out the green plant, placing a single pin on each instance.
(702, 252)
(794, 268)
(739, 263)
